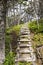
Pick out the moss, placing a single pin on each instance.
(37, 39)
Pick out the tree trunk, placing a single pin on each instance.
(2, 30)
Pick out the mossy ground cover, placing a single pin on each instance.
(36, 33)
(37, 39)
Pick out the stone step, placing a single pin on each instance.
(25, 51)
(25, 59)
(24, 36)
(25, 32)
(24, 27)
(25, 45)
(22, 40)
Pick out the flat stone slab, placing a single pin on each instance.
(25, 59)
(26, 45)
(24, 40)
(25, 36)
(25, 51)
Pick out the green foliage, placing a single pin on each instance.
(15, 28)
(9, 60)
(37, 39)
(40, 25)
(33, 26)
(7, 43)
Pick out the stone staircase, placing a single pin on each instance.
(25, 51)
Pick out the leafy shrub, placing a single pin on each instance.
(9, 60)
(15, 28)
(7, 44)
(33, 26)
(40, 28)
(37, 39)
